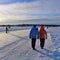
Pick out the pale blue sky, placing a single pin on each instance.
(29, 9)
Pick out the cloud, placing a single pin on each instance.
(30, 10)
(14, 1)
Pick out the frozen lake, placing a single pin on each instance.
(16, 45)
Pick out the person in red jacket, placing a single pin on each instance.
(42, 36)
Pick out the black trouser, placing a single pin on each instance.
(33, 42)
(42, 42)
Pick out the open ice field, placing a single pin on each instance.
(16, 45)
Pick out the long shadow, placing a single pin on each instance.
(47, 54)
(48, 51)
(25, 37)
(9, 45)
(15, 42)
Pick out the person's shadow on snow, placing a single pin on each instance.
(15, 42)
(21, 38)
(51, 54)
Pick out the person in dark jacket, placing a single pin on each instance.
(42, 36)
(6, 29)
(33, 36)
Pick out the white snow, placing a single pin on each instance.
(16, 45)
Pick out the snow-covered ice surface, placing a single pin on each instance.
(16, 45)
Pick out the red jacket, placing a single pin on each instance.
(42, 33)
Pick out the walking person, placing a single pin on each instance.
(33, 36)
(42, 36)
(6, 29)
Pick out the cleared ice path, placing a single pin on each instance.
(20, 49)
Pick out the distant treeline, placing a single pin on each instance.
(22, 25)
(18, 25)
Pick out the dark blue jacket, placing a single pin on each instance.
(34, 32)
